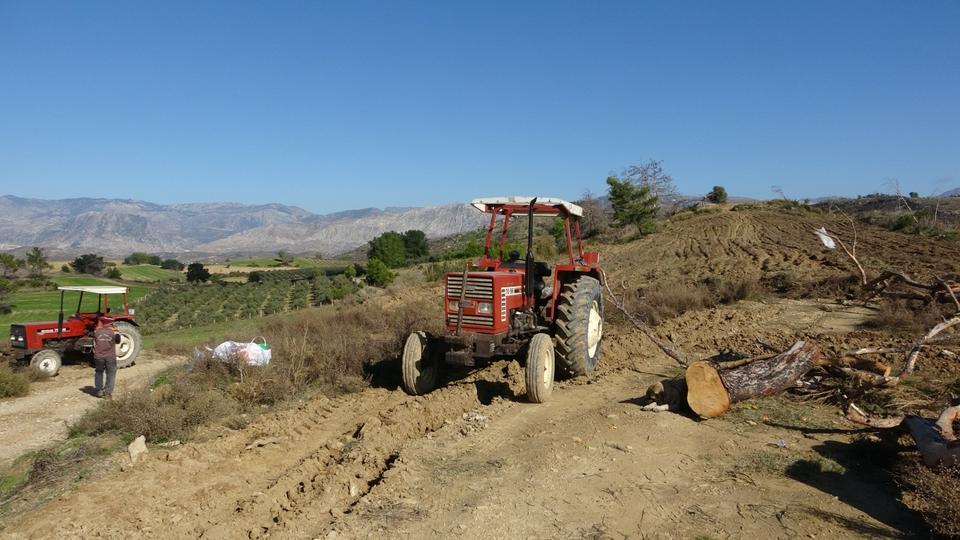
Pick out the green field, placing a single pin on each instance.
(31, 306)
(148, 273)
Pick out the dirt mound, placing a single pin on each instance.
(756, 244)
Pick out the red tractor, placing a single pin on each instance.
(499, 306)
(44, 343)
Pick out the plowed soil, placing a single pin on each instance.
(473, 460)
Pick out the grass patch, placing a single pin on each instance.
(35, 477)
(148, 273)
(13, 383)
(662, 302)
(780, 462)
(902, 317)
(330, 351)
(779, 411)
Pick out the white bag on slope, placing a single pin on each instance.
(251, 354)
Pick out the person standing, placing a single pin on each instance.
(105, 340)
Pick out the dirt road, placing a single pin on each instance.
(41, 418)
(472, 460)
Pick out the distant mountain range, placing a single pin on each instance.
(118, 227)
(955, 192)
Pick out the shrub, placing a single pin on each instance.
(13, 383)
(378, 274)
(170, 412)
(899, 316)
(114, 273)
(781, 282)
(718, 195)
(658, 304)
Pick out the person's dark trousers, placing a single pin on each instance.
(110, 366)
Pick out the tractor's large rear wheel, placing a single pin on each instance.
(129, 347)
(420, 366)
(46, 362)
(540, 368)
(579, 326)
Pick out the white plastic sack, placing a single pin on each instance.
(825, 238)
(251, 354)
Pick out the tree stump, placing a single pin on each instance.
(711, 389)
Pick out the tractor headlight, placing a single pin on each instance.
(453, 305)
(485, 308)
(13, 338)
(133, 311)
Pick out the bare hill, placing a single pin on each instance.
(116, 227)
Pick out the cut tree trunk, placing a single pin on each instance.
(711, 390)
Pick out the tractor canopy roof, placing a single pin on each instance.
(95, 289)
(545, 206)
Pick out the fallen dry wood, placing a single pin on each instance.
(858, 415)
(934, 448)
(949, 417)
(915, 352)
(711, 390)
(936, 441)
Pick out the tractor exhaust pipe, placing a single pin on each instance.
(528, 263)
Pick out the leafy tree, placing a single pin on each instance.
(37, 262)
(172, 264)
(378, 274)
(6, 296)
(415, 243)
(914, 195)
(89, 263)
(559, 233)
(65, 268)
(9, 265)
(633, 204)
(350, 272)
(137, 257)
(114, 273)
(389, 248)
(155, 260)
(197, 273)
(284, 258)
(718, 195)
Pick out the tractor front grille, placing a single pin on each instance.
(472, 320)
(18, 335)
(479, 288)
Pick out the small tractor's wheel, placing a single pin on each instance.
(539, 370)
(579, 326)
(420, 367)
(46, 362)
(129, 347)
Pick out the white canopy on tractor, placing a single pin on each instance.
(485, 203)
(95, 289)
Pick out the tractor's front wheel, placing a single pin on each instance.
(540, 367)
(420, 367)
(579, 326)
(129, 347)
(46, 362)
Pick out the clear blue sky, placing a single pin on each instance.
(336, 105)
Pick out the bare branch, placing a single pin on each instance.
(915, 352)
(858, 415)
